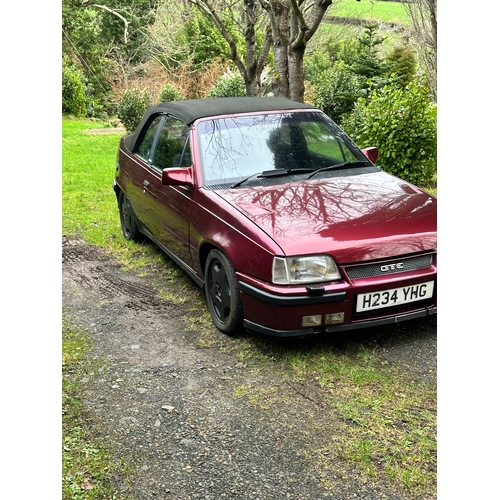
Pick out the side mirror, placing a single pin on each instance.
(371, 153)
(178, 176)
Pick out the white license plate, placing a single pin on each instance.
(394, 296)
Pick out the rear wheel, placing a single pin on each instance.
(223, 296)
(128, 221)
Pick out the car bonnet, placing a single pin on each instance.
(354, 218)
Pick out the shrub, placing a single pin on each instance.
(316, 64)
(336, 91)
(402, 65)
(368, 61)
(132, 106)
(228, 85)
(169, 94)
(402, 123)
(74, 99)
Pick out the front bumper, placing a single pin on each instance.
(278, 311)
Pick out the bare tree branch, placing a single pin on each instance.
(206, 7)
(114, 12)
(423, 17)
(299, 25)
(252, 67)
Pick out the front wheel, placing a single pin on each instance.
(223, 296)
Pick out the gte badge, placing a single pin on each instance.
(392, 267)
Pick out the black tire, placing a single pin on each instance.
(222, 293)
(128, 220)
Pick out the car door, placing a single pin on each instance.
(170, 207)
(140, 173)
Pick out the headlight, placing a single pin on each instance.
(308, 269)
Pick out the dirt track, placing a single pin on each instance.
(169, 406)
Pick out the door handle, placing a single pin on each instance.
(145, 185)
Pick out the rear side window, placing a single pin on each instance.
(172, 148)
(146, 144)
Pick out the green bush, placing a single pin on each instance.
(316, 64)
(132, 106)
(402, 123)
(74, 99)
(336, 91)
(169, 94)
(228, 85)
(365, 58)
(402, 65)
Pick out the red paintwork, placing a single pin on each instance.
(371, 153)
(289, 318)
(177, 176)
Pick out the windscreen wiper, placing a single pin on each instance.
(338, 166)
(278, 172)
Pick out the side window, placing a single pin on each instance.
(172, 150)
(146, 144)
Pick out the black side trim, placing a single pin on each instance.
(336, 328)
(278, 300)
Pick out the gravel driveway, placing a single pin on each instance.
(169, 406)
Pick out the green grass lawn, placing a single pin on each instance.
(389, 12)
(376, 10)
(89, 210)
(89, 203)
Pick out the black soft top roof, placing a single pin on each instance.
(190, 110)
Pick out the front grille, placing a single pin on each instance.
(391, 267)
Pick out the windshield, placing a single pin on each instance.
(240, 147)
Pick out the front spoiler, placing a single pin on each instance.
(338, 328)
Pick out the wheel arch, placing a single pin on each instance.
(117, 189)
(256, 260)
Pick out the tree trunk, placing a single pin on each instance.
(296, 73)
(279, 12)
(292, 23)
(292, 29)
(423, 16)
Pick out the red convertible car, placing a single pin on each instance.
(268, 205)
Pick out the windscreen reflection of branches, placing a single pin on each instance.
(339, 205)
(232, 148)
(240, 147)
